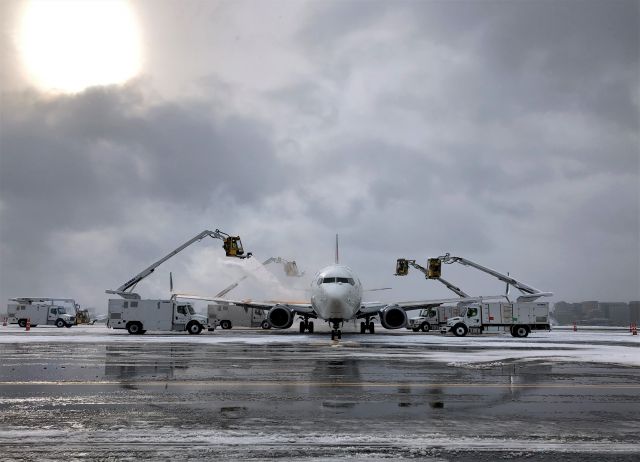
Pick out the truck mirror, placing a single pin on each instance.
(402, 267)
(435, 268)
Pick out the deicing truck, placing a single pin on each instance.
(518, 318)
(139, 316)
(46, 311)
(432, 318)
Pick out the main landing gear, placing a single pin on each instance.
(336, 333)
(306, 325)
(367, 326)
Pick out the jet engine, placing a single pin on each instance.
(281, 317)
(393, 317)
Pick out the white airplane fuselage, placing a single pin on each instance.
(336, 293)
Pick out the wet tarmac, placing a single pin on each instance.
(307, 398)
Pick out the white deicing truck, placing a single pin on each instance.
(518, 318)
(220, 313)
(42, 311)
(432, 318)
(139, 316)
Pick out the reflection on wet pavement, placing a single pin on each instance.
(262, 401)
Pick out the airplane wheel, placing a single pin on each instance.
(310, 327)
(371, 328)
(265, 324)
(363, 328)
(339, 334)
(333, 335)
(302, 327)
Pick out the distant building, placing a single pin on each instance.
(597, 313)
(634, 312)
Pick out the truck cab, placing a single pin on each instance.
(425, 321)
(58, 316)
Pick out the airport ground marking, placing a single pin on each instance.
(258, 384)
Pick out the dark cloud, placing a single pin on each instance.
(503, 131)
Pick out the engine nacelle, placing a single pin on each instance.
(393, 317)
(281, 317)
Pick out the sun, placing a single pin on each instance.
(69, 45)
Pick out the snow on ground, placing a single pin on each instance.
(606, 347)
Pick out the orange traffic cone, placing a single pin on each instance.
(28, 324)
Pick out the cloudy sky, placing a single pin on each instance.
(505, 132)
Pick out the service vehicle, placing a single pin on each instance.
(227, 317)
(220, 313)
(432, 318)
(518, 318)
(60, 312)
(139, 316)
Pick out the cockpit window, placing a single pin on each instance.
(340, 280)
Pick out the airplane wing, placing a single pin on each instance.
(298, 307)
(374, 307)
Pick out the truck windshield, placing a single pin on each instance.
(62, 311)
(190, 309)
(463, 312)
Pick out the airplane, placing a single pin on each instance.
(336, 297)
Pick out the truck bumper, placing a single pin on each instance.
(445, 329)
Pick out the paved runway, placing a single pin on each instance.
(260, 395)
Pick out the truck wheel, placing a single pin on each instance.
(22, 322)
(134, 328)
(310, 327)
(460, 330)
(225, 324)
(425, 327)
(60, 323)
(520, 331)
(265, 324)
(68, 325)
(194, 328)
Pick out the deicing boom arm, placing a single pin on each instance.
(232, 246)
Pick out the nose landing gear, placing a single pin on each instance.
(336, 333)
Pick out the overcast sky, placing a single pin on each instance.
(505, 132)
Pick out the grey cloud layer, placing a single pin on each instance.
(504, 131)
